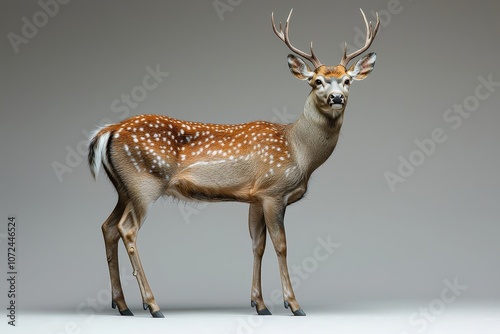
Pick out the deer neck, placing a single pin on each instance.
(313, 136)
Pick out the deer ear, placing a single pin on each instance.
(299, 68)
(363, 67)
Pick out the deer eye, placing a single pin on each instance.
(347, 82)
(318, 82)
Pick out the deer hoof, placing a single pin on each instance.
(299, 312)
(264, 311)
(124, 312)
(157, 314)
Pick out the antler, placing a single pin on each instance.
(370, 36)
(283, 35)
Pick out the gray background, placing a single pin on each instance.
(441, 223)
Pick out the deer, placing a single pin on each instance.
(267, 165)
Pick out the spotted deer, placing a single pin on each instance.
(267, 165)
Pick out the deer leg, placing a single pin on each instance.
(111, 237)
(128, 229)
(257, 229)
(274, 213)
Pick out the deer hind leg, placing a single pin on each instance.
(128, 227)
(274, 214)
(257, 228)
(111, 237)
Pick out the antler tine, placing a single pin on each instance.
(283, 35)
(370, 36)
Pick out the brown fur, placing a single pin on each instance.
(331, 71)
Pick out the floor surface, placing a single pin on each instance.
(340, 319)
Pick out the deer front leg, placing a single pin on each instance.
(257, 228)
(274, 214)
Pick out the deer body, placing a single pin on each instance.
(265, 164)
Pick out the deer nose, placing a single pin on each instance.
(336, 99)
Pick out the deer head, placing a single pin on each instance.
(330, 84)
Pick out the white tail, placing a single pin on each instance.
(265, 164)
(97, 152)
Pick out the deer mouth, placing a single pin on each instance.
(336, 105)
